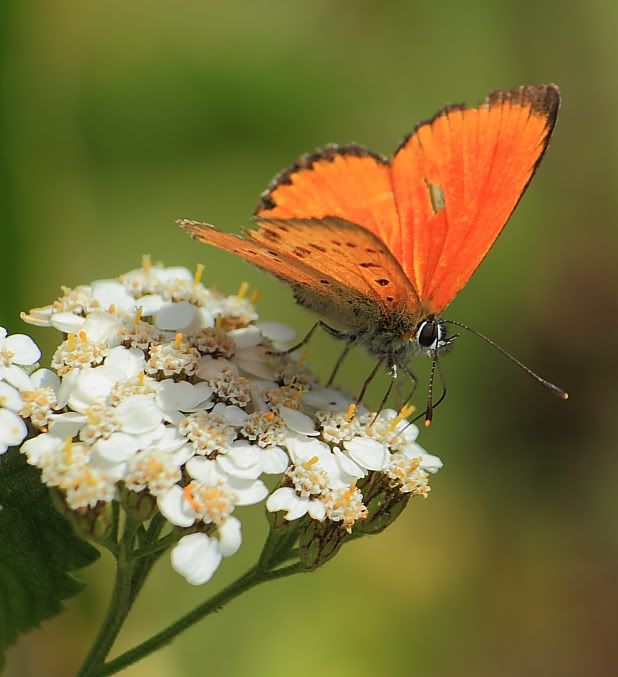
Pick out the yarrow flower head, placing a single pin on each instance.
(167, 394)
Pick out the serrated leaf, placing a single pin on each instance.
(38, 548)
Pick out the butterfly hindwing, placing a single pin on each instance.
(353, 301)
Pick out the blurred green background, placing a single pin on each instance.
(119, 117)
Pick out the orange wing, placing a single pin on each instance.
(446, 195)
(350, 182)
(315, 257)
(458, 177)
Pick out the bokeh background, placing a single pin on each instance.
(119, 117)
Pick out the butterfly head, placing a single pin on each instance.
(431, 336)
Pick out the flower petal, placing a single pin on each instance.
(274, 461)
(13, 430)
(230, 536)
(38, 448)
(129, 361)
(316, 509)
(246, 337)
(297, 421)
(175, 507)
(176, 316)
(138, 414)
(248, 492)
(25, 350)
(196, 557)
(67, 424)
(367, 452)
(10, 397)
(117, 448)
(45, 378)
(67, 322)
(276, 331)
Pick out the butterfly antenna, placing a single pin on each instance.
(431, 405)
(550, 386)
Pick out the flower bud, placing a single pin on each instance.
(319, 542)
(383, 509)
(94, 524)
(140, 505)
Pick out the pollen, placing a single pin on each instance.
(255, 295)
(308, 479)
(213, 503)
(407, 475)
(67, 450)
(265, 429)
(146, 263)
(351, 410)
(199, 271)
(209, 434)
(405, 411)
(242, 291)
(344, 505)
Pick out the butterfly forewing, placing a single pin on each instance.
(480, 161)
(446, 195)
(349, 182)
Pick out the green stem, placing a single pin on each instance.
(114, 618)
(156, 547)
(252, 578)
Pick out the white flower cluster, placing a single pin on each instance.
(164, 387)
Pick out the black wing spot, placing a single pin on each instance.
(270, 234)
(324, 282)
(368, 264)
(352, 245)
(301, 252)
(369, 250)
(318, 248)
(390, 299)
(272, 253)
(336, 243)
(382, 282)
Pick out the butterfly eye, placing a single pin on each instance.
(428, 334)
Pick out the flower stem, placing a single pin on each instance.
(117, 611)
(250, 579)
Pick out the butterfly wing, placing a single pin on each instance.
(313, 256)
(458, 177)
(349, 182)
(446, 195)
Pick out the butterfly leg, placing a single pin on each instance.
(368, 380)
(412, 376)
(387, 394)
(340, 359)
(329, 330)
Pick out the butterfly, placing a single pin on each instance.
(380, 247)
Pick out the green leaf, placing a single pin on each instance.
(38, 548)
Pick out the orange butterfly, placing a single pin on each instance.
(382, 247)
